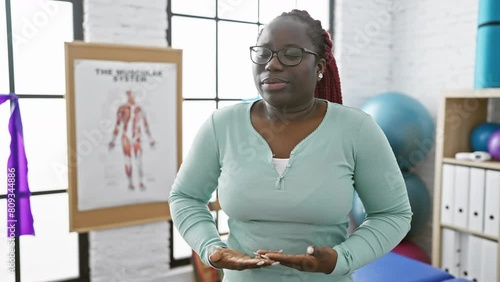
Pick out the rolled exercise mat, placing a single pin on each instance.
(487, 68)
(489, 12)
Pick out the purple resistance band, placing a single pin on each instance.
(19, 217)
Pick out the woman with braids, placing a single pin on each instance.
(286, 167)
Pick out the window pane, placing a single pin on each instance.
(46, 149)
(235, 66)
(40, 28)
(181, 248)
(194, 7)
(318, 9)
(222, 222)
(241, 10)
(53, 253)
(196, 38)
(213, 198)
(224, 238)
(4, 144)
(223, 104)
(269, 9)
(194, 114)
(4, 63)
(5, 251)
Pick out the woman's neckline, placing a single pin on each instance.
(329, 111)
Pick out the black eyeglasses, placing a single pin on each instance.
(288, 56)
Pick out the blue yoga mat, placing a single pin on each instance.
(487, 68)
(393, 267)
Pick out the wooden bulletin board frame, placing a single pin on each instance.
(103, 218)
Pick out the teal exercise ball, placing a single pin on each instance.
(358, 210)
(420, 201)
(406, 123)
(418, 196)
(481, 134)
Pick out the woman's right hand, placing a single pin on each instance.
(232, 259)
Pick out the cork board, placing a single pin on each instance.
(124, 117)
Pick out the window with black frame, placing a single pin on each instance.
(32, 36)
(215, 36)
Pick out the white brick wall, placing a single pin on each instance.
(434, 49)
(428, 46)
(363, 39)
(137, 253)
(126, 22)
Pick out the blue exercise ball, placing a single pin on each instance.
(481, 134)
(407, 125)
(420, 201)
(418, 196)
(358, 210)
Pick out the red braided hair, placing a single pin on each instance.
(328, 87)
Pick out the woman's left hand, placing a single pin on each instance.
(316, 259)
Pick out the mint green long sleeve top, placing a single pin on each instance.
(308, 204)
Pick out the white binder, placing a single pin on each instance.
(461, 201)
(489, 261)
(474, 260)
(476, 199)
(447, 192)
(464, 255)
(492, 203)
(450, 259)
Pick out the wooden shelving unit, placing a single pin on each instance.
(459, 113)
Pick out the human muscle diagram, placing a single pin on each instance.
(126, 132)
(131, 117)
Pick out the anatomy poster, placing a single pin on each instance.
(126, 143)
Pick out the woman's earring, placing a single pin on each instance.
(320, 75)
